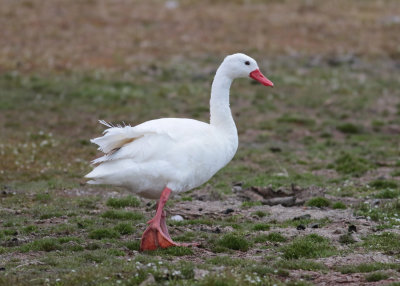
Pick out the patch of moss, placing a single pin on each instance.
(309, 246)
(129, 201)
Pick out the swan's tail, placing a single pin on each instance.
(114, 137)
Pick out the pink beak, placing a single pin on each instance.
(258, 76)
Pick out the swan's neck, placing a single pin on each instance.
(221, 116)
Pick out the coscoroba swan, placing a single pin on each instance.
(174, 155)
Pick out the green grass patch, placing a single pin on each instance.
(319, 202)
(376, 276)
(349, 128)
(225, 261)
(42, 197)
(348, 164)
(260, 214)
(304, 264)
(339, 206)
(129, 201)
(234, 241)
(133, 245)
(122, 215)
(346, 238)
(309, 246)
(187, 236)
(367, 267)
(387, 212)
(102, 233)
(29, 229)
(44, 244)
(383, 184)
(261, 227)
(124, 228)
(250, 204)
(388, 194)
(296, 120)
(172, 251)
(272, 237)
(387, 242)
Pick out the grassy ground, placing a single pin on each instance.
(329, 130)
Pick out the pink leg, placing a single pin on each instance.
(156, 235)
(164, 225)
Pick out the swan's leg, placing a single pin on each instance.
(164, 224)
(156, 235)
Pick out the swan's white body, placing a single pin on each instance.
(179, 154)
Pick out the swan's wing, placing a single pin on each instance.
(147, 139)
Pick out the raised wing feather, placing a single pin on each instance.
(145, 140)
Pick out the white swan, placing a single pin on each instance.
(173, 154)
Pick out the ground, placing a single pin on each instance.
(324, 142)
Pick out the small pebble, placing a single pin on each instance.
(275, 149)
(301, 227)
(376, 202)
(352, 228)
(314, 225)
(306, 216)
(216, 230)
(228, 211)
(236, 188)
(177, 218)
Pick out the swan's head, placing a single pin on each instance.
(241, 65)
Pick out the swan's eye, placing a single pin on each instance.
(247, 63)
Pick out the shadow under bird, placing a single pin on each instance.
(174, 155)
